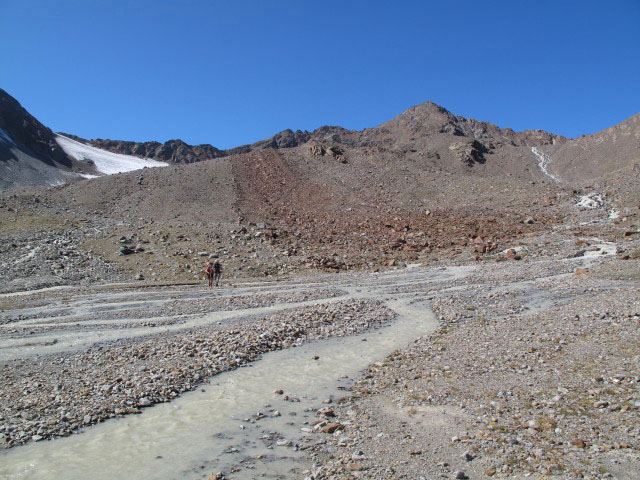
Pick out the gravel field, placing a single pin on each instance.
(518, 381)
(532, 371)
(57, 394)
(164, 311)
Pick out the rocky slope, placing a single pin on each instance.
(28, 134)
(29, 154)
(426, 133)
(425, 185)
(405, 133)
(608, 153)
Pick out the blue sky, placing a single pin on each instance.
(233, 72)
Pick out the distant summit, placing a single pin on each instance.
(429, 118)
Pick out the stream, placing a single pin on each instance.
(236, 422)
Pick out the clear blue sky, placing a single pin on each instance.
(233, 72)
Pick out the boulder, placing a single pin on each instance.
(332, 427)
(512, 255)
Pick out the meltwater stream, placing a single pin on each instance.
(217, 427)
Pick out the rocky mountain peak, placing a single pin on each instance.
(430, 118)
(424, 118)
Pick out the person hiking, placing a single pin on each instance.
(217, 271)
(208, 271)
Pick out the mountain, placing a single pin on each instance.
(425, 184)
(431, 138)
(418, 122)
(32, 155)
(103, 162)
(29, 153)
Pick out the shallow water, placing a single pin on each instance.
(71, 340)
(200, 433)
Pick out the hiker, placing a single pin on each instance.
(217, 271)
(208, 270)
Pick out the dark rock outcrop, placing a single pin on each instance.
(469, 152)
(28, 134)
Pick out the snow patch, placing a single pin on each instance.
(105, 162)
(543, 162)
(613, 214)
(591, 200)
(5, 138)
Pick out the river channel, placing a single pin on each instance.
(237, 422)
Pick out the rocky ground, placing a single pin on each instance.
(532, 372)
(510, 385)
(56, 317)
(55, 395)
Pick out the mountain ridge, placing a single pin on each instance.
(426, 131)
(179, 151)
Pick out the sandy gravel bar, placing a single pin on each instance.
(168, 312)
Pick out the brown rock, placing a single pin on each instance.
(327, 412)
(512, 255)
(579, 442)
(332, 427)
(316, 149)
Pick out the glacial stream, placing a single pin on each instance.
(236, 422)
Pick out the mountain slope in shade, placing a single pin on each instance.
(21, 167)
(29, 154)
(28, 134)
